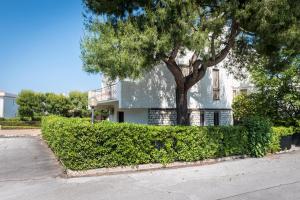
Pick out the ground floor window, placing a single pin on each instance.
(216, 118)
(121, 117)
(202, 118)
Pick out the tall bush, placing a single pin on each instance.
(259, 135)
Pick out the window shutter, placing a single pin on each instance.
(216, 84)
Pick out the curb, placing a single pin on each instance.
(147, 167)
(20, 133)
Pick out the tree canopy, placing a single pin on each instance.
(127, 38)
(34, 104)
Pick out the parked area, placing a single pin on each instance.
(28, 171)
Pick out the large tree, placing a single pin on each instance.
(126, 38)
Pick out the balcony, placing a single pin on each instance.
(103, 95)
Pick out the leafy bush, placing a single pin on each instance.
(80, 145)
(277, 133)
(20, 123)
(259, 135)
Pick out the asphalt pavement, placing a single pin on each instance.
(29, 171)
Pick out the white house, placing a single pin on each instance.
(8, 105)
(151, 99)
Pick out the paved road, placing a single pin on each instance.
(28, 172)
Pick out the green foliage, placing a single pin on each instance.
(80, 145)
(126, 38)
(33, 105)
(277, 96)
(29, 104)
(259, 135)
(16, 123)
(244, 106)
(78, 104)
(278, 93)
(277, 133)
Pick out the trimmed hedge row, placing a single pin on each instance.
(277, 133)
(80, 145)
(15, 122)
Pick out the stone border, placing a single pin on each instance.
(147, 167)
(20, 132)
(153, 167)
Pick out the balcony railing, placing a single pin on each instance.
(104, 94)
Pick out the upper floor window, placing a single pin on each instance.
(216, 84)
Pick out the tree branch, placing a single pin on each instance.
(198, 73)
(229, 44)
(174, 52)
(175, 70)
(193, 78)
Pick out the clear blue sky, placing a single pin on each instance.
(40, 46)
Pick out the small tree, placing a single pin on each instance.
(78, 104)
(128, 38)
(277, 96)
(30, 104)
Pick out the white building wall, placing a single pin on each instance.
(157, 90)
(1, 107)
(139, 116)
(10, 107)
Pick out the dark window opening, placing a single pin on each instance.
(216, 118)
(202, 118)
(121, 117)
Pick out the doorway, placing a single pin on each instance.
(121, 117)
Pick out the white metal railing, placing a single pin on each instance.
(104, 94)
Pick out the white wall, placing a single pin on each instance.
(10, 107)
(157, 90)
(139, 116)
(1, 107)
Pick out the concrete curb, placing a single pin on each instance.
(147, 167)
(20, 132)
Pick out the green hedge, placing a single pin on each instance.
(17, 122)
(259, 135)
(277, 133)
(80, 145)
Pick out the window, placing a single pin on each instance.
(202, 118)
(121, 116)
(216, 84)
(216, 118)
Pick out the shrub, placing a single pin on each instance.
(80, 145)
(20, 123)
(259, 135)
(277, 133)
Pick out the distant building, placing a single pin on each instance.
(8, 105)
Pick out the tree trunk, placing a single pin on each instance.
(181, 106)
